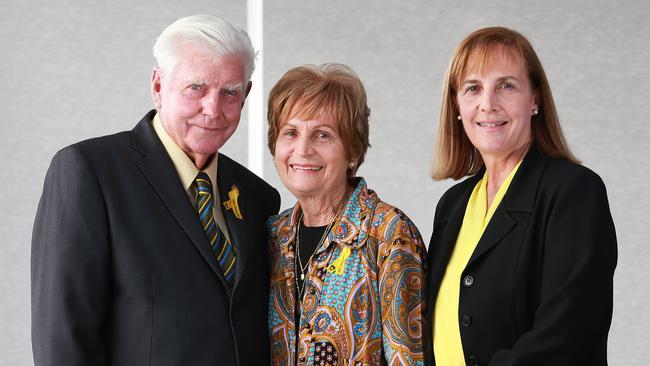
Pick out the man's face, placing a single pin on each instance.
(200, 102)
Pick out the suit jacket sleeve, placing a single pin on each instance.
(574, 312)
(275, 203)
(70, 266)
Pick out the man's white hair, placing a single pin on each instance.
(213, 33)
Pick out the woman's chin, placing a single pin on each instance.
(303, 189)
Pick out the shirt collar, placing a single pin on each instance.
(352, 224)
(185, 168)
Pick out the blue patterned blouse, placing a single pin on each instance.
(364, 290)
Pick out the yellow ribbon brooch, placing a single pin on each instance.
(338, 266)
(232, 203)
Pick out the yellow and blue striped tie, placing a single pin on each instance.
(221, 247)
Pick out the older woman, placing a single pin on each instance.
(347, 268)
(523, 252)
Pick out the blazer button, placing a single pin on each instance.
(466, 320)
(468, 281)
(302, 359)
(473, 360)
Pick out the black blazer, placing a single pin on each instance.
(538, 288)
(122, 271)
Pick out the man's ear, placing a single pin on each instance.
(156, 75)
(248, 90)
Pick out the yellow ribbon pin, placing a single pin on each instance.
(232, 204)
(339, 264)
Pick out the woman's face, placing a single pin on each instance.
(496, 106)
(310, 157)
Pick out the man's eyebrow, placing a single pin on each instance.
(237, 86)
(194, 81)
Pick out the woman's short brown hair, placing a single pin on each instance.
(456, 157)
(329, 90)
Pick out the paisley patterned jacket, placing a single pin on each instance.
(364, 292)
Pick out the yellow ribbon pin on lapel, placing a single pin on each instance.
(339, 264)
(232, 203)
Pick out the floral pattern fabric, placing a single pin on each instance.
(363, 300)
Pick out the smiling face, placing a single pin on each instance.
(496, 106)
(200, 102)
(310, 158)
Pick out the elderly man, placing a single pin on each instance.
(149, 247)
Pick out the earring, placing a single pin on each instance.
(535, 111)
(352, 165)
(459, 118)
(275, 162)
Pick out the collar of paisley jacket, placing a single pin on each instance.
(352, 223)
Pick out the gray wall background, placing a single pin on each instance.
(73, 70)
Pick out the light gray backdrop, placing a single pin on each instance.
(73, 70)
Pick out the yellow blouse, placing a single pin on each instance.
(447, 344)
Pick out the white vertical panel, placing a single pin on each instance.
(254, 11)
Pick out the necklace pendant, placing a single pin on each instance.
(302, 276)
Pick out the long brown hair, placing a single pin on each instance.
(456, 157)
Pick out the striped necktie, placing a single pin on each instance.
(221, 247)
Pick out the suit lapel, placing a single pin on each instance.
(227, 180)
(500, 224)
(159, 171)
(520, 197)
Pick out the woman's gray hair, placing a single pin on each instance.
(215, 34)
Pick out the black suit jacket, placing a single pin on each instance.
(538, 288)
(122, 271)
